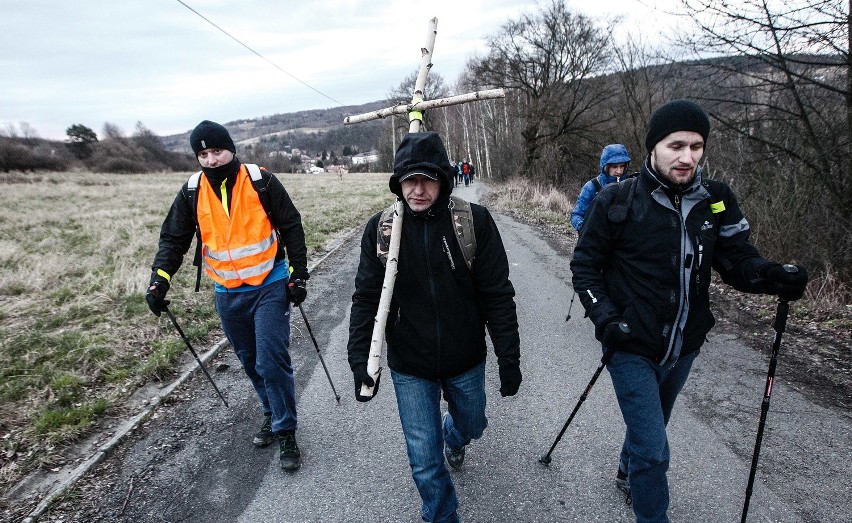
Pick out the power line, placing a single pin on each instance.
(232, 37)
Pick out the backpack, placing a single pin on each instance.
(192, 195)
(462, 225)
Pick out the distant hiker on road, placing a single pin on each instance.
(466, 172)
(252, 242)
(645, 259)
(436, 328)
(613, 164)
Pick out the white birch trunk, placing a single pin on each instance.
(374, 361)
(488, 94)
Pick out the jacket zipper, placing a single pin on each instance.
(681, 286)
(433, 293)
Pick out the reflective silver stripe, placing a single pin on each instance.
(245, 274)
(729, 230)
(242, 252)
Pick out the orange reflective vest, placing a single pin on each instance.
(239, 248)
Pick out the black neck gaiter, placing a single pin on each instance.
(216, 174)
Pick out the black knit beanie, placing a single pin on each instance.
(677, 115)
(210, 135)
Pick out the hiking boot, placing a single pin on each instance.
(622, 484)
(455, 457)
(290, 457)
(264, 436)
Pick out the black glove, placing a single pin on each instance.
(616, 334)
(510, 376)
(787, 281)
(156, 295)
(297, 291)
(361, 376)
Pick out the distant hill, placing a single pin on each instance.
(312, 131)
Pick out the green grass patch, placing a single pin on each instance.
(159, 364)
(68, 421)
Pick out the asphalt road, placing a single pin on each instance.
(194, 461)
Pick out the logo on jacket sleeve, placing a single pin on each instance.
(706, 225)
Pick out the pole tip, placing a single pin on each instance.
(545, 459)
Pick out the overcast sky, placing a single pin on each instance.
(155, 61)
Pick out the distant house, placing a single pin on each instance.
(369, 157)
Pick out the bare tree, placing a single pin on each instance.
(548, 57)
(785, 87)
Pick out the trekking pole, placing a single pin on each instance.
(308, 325)
(779, 325)
(185, 340)
(545, 458)
(573, 295)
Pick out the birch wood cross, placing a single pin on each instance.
(415, 111)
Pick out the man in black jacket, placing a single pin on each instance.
(247, 244)
(642, 269)
(436, 327)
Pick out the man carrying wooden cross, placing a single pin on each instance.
(438, 315)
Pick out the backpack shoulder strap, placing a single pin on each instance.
(597, 184)
(463, 227)
(192, 194)
(619, 211)
(383, 234)
(260, 187)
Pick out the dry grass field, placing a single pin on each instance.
(76, 336)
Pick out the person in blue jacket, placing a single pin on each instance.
(614, 163)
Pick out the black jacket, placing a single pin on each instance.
(653, 268)
(179, 227)
(440, 309)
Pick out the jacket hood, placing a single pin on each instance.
(423, 151)
(613, 153)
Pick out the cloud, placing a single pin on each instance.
(158, 62)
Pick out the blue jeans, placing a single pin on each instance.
(257, 324)
(419, 402)
(646, 394)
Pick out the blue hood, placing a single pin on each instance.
(613, 153)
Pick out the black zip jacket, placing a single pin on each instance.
(178, 228)
(653, 268)
(439, 310)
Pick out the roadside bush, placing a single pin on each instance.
(120, 165)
